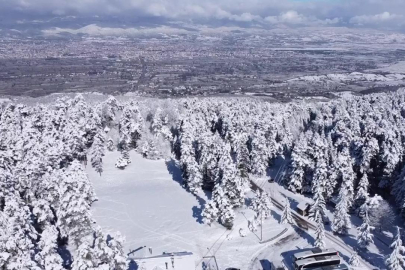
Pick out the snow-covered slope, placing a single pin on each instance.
(351, 77)
(146, 203)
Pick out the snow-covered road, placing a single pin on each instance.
(278, 193)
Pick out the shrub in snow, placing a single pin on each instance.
(110, 144)
(354, 260)
(252, 225)
(122, 163)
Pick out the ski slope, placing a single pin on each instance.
(147, 204)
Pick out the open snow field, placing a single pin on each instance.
(147, 204)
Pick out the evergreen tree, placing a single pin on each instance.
(318, 208)
(225, 212)
(97, 152)
(48, 257)
(364, 236)
(396, 260)
(261, 205)
(362, 191)
(259, 153)
(347, 175)
(320, 233)
(105, 252)
(210, 213)
(341, 218)
(286, 216)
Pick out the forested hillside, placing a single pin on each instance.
(350, 147)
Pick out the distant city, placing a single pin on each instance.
(275, 64)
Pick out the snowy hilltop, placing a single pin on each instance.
(349, 149)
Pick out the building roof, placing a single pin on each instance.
(303, 206)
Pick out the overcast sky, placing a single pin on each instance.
(389, 14)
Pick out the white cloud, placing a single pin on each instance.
(289, 12)
(384, 17)
(95, 30)
(294, 18)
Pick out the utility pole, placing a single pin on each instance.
(261, 227)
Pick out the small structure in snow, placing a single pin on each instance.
(333, 201)
(173, 261)
(303, 208)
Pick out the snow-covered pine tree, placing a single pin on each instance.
(299, 162)
(103, 252)
(210, 213)
(354, 260)
(329, 187)
(347, 175)
(76, 195)
(225, 211)
(259, 154)
(320, 233)
(364, 236)
(97, 152)
(227, 215)
(17, 236)
(396, 260)
(362, 191)
(287, 216)
(341, 219)
(318, 208)
(124, 160)
(157, 123)
(261, 205)
(48, 256)
(194, 179)
(233, 185)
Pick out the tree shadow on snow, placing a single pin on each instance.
(275, 215)
(132, 265)
(176, 174)
(197, 210)
(303, 234)
(372, 258)
(265, 264)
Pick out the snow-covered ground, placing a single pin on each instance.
(395, 68)
(374, 254)
(352, 77)
(147, 204)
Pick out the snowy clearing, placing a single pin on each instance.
(146, 203)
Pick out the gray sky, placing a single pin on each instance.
(388, 14)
